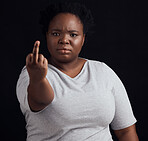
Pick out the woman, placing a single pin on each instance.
(68, 98)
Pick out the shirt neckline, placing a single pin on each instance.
(73, 78)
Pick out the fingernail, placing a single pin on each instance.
(36, 44)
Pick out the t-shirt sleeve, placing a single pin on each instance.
(21, 90)
(124, 116)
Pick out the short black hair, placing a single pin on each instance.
(78, 9)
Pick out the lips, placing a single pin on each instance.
(64, 50)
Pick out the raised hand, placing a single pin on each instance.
(36, 64)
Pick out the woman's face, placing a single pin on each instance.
(65, 37)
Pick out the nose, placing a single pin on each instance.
(64, 40)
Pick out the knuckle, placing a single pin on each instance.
(29, 57)
(45, 61)
(41, 56)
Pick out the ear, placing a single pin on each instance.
(83, 39)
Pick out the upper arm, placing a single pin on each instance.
(124, 121)
(21, 90)
(26, 102)
(123, 116)
(127, 134)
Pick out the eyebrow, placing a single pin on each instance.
(61, 30)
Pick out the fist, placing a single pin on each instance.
(37, 65)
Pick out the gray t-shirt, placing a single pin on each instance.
(83, 106)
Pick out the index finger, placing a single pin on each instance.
(36, 51)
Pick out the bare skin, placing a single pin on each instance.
(40, 93)
(127, 134)
(64, 50)
(65, 39)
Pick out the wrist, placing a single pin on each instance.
(37, 82)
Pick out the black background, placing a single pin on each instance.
(120, 40)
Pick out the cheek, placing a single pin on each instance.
(78, 43)
(51, 43)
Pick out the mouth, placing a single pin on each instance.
(64, 50)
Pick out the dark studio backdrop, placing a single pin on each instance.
(120, 40)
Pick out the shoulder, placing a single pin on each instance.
(23, 79)
(99, 65)
(23, 74)
(103, 69)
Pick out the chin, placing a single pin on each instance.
(65, 59)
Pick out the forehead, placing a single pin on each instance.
(66, 21)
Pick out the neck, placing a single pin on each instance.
(64, 66)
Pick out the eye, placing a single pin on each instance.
(55, 34)
(73, 35)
